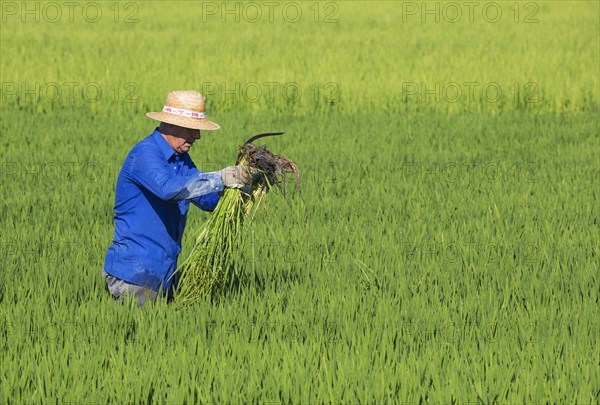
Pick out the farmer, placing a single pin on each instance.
(154, 189)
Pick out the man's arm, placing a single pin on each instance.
(206, 202)
(151, 172)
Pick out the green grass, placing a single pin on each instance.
(371, 54)
(447, 252)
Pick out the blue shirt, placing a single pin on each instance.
(153, 194)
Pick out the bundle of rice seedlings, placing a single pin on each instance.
(211, 266)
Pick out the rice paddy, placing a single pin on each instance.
(447, 247)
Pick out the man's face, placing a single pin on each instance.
(181, 139)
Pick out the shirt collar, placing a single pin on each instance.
(162, 143)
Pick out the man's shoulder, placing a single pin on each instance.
(145, 150)
(145, 146)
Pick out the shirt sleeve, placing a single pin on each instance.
(152, 173)
(206, 202)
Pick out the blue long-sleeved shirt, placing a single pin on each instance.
(153, 194)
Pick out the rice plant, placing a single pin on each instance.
(212, 263)
(447, 251)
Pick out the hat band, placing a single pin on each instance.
(184, 113)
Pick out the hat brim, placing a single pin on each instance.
(186, 122)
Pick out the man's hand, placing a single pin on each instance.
(254, 179)
(235, 177)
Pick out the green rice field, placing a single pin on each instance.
(448, 247)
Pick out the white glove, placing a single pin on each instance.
(235, 177)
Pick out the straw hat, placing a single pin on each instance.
(185, 108)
